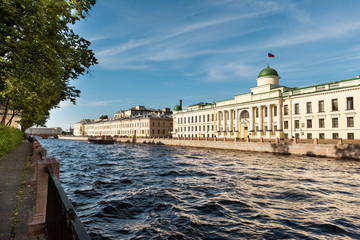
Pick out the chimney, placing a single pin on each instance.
(180, 104)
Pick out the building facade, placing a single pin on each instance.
(269, 110)
(156, 123)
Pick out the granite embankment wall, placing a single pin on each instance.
(336, 150)
(309, 149)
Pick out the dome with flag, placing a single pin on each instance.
(268, 71)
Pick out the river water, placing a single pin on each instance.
(141, 191)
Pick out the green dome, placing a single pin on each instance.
(268, 72)
(177, 108)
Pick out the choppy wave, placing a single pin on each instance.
(130, 191)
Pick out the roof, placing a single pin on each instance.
(268, 71)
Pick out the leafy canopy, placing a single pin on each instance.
(40, 54)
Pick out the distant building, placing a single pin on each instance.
(135, 122)
(269, 110)
(14, 118)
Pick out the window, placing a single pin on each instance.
(309, 136)
(321, 106)
(257, 112)
(184, 119)
(286, 135)
(286, 125)
(275, 111)
(265, 109)
(349, 103)
(158, 124)
(321, 123)
(196, 119)
(297, 108)
(334, 105)
(350, 121)
(212, 117)
(286, 109)
(335, 122)
(350, 136)
(309, 123)
(297, 136)
(297, 124)
(321, 135)
(335, 136)
(308, 107)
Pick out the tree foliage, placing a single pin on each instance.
(103, 117)
(40, 54)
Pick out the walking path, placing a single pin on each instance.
(17, 198)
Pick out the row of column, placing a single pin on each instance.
(225, 122)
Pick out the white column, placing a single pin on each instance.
(251, 113)
(260, 119)
(224, 120)
(279, 123)
(237, 120)
(269, 117)
(232, 120)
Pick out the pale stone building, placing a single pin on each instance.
(269, 110)
(147, 123)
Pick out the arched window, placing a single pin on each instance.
(244, 114)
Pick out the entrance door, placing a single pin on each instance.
(245, 132)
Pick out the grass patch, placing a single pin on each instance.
(9, 138)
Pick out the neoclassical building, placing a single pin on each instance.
(135, 122)
(270, 110)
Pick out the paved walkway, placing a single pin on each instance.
(16, 195)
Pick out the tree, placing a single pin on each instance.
(39, 55)
(103, 117)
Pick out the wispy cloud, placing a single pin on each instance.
(98, 103)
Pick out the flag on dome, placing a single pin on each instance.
(271, 55)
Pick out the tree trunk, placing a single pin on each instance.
(5, 111)
(12, 117)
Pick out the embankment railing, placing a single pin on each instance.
(62, 221)
(53, 215)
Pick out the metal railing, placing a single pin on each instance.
(62, 221)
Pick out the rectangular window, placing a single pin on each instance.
(257, 112)
(335, 122)
(266, 111)
(212, 117)
(350, 136)
(275, 111)
(321, 135)
(321, 106)
(297, 124)
(309, 136)
(321, 123)
(286, 125)
(297, 136)
(349, 103)
(335, 136)
(350, 121)
(334, 105)
(308, 107)
(184, 119)
(286, 109)
(297, 108)
(196, 119)
(309, 123)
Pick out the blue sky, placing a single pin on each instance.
(155, 53)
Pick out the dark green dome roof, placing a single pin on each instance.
(177, 108)
(268, 71)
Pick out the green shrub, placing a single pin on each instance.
(9, 138)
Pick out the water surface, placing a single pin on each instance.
(141, 191)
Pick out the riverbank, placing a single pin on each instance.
(334, 150)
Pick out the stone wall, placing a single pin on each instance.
(310, 149)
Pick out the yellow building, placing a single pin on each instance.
(156, 123)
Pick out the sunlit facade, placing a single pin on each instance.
(269, 110)
(140, 122)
